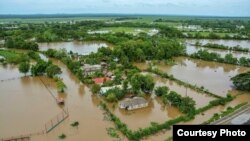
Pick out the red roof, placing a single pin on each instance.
(100, 80)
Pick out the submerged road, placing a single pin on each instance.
(241, 116)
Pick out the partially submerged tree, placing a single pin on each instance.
(242, 81)
(24, 67)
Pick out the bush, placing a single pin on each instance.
(242, 81)
(160, 91)
(95, 88)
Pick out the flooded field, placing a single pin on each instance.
(231, 43)
(20, 100)
(80, 47)
(211, 75)
(190, 49)
(32, 106)
(200, 99)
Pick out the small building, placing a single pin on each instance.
(90, 69)
(104, 90)
(101, 80)
(133, 103)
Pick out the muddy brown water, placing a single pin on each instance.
(17, 96)
(212, 75)
(80, 47)
(26, 106)
(20, 100)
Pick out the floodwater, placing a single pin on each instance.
(27, 106)
(190, 49)
(200, 99)
(80, 47)
(20, 100)
(231, 43)
(141, 118)
(211, 75)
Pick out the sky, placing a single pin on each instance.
(166, 7)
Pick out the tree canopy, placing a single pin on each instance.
(242, 81)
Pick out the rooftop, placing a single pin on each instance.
(101, 80)
(133, 102)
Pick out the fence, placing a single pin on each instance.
(25, 137)
(50, 125)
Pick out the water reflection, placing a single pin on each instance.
(79, 47)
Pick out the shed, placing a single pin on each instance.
(133, 103)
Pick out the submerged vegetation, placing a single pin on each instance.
(228, 59)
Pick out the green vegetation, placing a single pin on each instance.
(115, 94)
(62, 136)
(42, 67)
(228, 59)
(144, 83)
(242, 81)
(229, 110)
(52, 70)
(169, 139)
(24, 67)
(13, 57)
(60, 84)
(112, 132)
(95, 88)
(20, 43)
(217, 102)
(75, 124)
(184, 104)
(160, 91)
(218, 46)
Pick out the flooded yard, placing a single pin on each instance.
(141, 118)
(80, 47)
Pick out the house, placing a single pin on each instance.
(90, 69)
(104, 90)
(134, 103)
(101, 80)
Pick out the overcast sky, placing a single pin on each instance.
(176, 7)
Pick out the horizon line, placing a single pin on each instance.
(122, 14)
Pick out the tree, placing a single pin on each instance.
(24, 67)
(95, 89)
(39, 68)
(60, 85)
(242, 81)
(143, 83)
(160, 91)
(53, 70)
